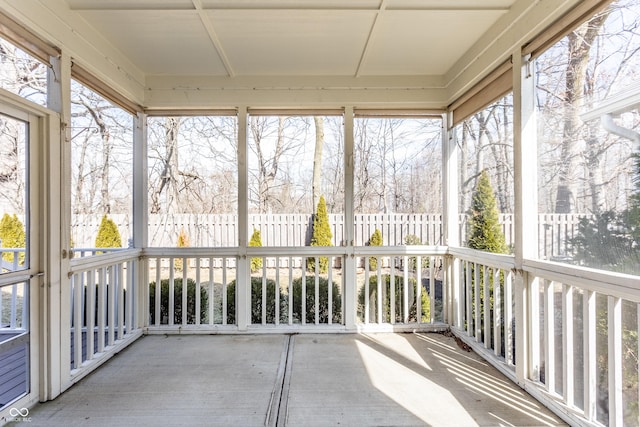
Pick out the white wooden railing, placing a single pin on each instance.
(14, 300)
(581, 335)
(277, 298)
(14, 264)
(103, 307)
(578, 328)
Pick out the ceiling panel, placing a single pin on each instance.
(160, 42)
(292, 42)
(292, 37)
(423, 42)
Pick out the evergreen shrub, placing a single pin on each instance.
(323, 300)
(13, 235)
(255, 241)
(177, 301)
(375, 240)
(425, 306)
(321, 236)
(256, 301)
(108, 234)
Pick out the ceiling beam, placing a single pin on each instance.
(213, 37)
(370, 37)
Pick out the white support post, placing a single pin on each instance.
(526, 215)
(350, 300)
(452, 311)
(243, 282)
(140, 220)
(55, 296)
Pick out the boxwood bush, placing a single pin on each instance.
(256, 301)
(399, 299)
(310, 298)
(177, 299)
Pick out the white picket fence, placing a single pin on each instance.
(221, 230)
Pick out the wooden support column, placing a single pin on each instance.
(526, 216)
(350, 283)
(140, 218)
(453, 304)
(243, 281)
(55, 295)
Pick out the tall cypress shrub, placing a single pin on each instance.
(13, 235)
(375, 240)
(256, 240)
(108, 234)
(485, 232)
(183, 242)
(321, 236)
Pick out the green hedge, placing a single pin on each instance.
(177, 300)
(271, 286)
(256, 301)
(310, 298)
(399, 299)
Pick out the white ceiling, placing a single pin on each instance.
(230, 38)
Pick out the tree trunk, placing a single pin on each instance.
(317, 162)
(579, 46)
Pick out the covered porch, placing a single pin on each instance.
(303, 379)
(352, 330)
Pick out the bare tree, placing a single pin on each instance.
(317, 161)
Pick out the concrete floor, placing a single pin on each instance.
(299, 380)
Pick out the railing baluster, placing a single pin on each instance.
(120, 301)
(290, 287)
(185, 291)
(198, 286)
(212, 300)
(316, 297)
(264, 291)
(112, 284)
(476, 294)
(590, 355)
(486, 318)
(303, 303)
(77, 321)
(508, 317)
(101, 309)
(330, 291)
(419, 289)
(392, 291)
(129, 326)
(225, 297)
(14, 303)
(432, 290)
(367, 305)
(90, 310)
(379, 318)
(549, 337)
(277, 293)
(497, 313)
(468, 284)
(615, 361)
(172, 306)
(405, 295)
(158, 292)
(567, 344)
(26, 297)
